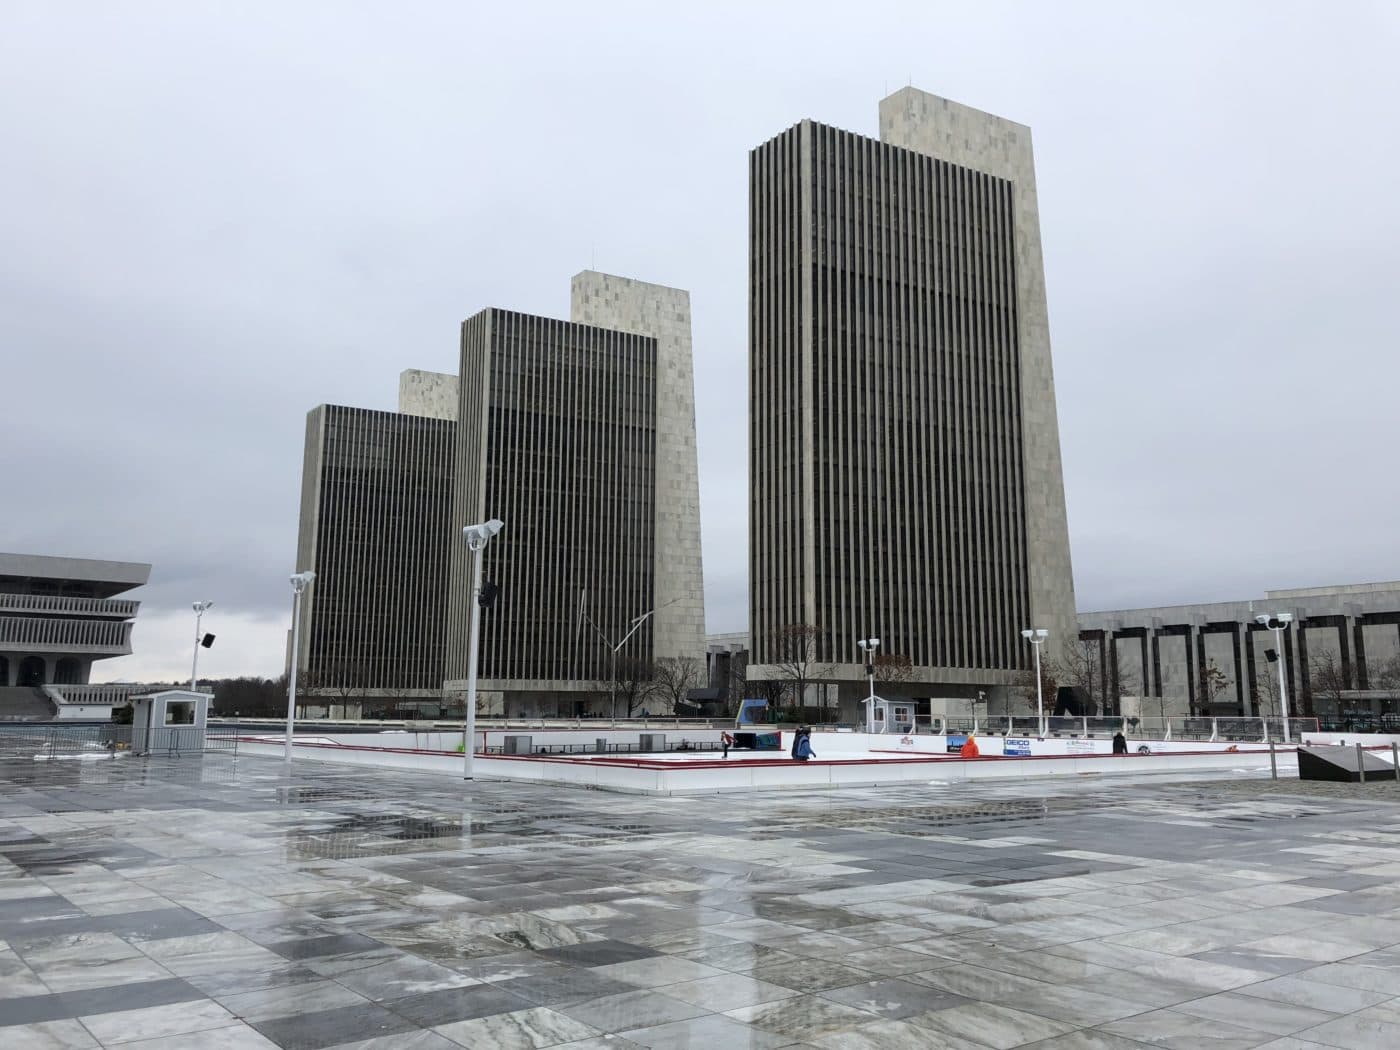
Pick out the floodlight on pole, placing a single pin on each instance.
(1036, 636)
(868, 647)
(477, 537)
(1278, 624)
(200, 608)
(300, 581)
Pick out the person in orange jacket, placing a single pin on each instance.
(969, 748)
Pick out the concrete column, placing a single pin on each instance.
(1358, 634)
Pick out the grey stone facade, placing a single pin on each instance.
(432, 394)
(1341, 653)
(663, 314)
(905, 467)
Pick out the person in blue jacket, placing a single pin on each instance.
(802, 748)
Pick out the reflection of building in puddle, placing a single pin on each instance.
(375, 835)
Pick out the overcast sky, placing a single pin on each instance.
(214, 217)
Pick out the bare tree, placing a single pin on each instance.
(893, 668)
(1213, 682)
(797, 663)
(672, 678)
(1082, 664)
(1024, 683)
(736, 681)
(631, 685)
(1265, 694)
(1328, 681)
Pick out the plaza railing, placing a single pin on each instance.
(42, 741)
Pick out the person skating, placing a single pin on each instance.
(1120, 743)
(802, 749)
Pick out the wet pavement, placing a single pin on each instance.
(223, 903)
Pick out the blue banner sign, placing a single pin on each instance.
(1017, 748)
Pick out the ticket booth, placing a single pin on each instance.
(888, 716)
(169, 722)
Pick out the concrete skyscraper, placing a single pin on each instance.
(580, 435)
(905, 458)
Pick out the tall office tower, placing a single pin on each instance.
(375, 514)
(663, 314)
(581, 438)
(905, 464)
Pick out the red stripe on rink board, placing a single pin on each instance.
(905, 757)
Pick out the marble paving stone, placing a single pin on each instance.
(403, 1041)
(1071, 907)
(1086, 1039)
(284, 1000)
(727, 991)
(1247, 1011)
(17, 979)
(1179, 1031)
(48, 1035)
(801, 974)
(156, 1021)
(233, 1037)
(641, 1009)
(399, 977)
(1376, 1026)
(1262, 962)
(447, 1005)
(652, 972)
(802, 1017)
(319, 947)
(322, 1028)
(887, 960)
(234, 982)
(895, 999)
(1346, 975)
(891, 1035)
(1000, 1027)
(1311, 949)
(710, 1030)
(564, 984)
(598, 953)
(520, 1030)
(76, 975)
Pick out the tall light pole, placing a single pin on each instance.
(613, 650)
(868, 647)
(200, 608)
(1036, 636)
(300, 581)
(477, 537)
(1278, 624)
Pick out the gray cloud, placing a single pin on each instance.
(213, 223)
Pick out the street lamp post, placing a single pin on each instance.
(1036, 636)
(300, 581)
(613, 650)
(868, 647)
(200, 608)
(1278, 624)
(477, 537)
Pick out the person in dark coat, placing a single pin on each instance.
(1120, 743)
(797, 739)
